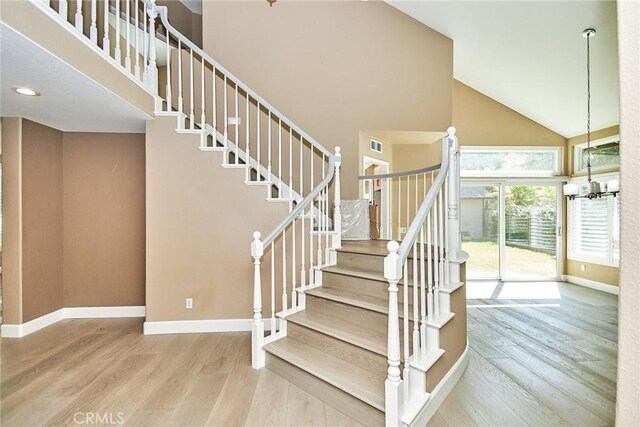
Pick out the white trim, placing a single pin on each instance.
(599, 286)
(24, 329)
(442, 390)
(199, 326)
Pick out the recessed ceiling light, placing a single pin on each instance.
(26, 91)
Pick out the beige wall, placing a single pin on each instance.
(12, 220)
(183, 20)
(104, 217)
(335, 68)
(200, 218)
(73, 220)
(482, 121)
(41, 220)
(628, 390)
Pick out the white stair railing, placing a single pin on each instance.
(293, 267)
(435, 230)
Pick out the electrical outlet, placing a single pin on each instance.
(583, 267)
(234, 121)
(188, 303)
(403, 230)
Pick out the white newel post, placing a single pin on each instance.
(152, 69)
(337, 213)
(257, 327)
(453, 211)
(393, 393)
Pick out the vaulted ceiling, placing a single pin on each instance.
(531, 56)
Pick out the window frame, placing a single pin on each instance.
(557, 169)
(579, 148)
(609, 260)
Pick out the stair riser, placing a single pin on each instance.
(341, 400)
(360, 285)
(365, 359)
(353, 314)
(368, 262)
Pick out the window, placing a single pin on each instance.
(594, 228)
(375, 146)
(605, 154)
(512, 161)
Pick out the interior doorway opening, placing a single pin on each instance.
(377, 192)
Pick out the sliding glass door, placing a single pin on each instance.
(510, 230)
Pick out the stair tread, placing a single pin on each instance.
(371, 337)
(380, 305)
(365, 274)
(370, 247)
(358, 382)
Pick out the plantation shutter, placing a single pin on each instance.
(591, 226)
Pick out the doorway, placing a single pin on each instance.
(511, 229)
(378, 193)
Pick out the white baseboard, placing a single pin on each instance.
(198, 326)
(442, 390)
(19, 331)
(604, 287)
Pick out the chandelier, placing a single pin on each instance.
(595, 189)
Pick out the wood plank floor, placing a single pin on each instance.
(539, 356)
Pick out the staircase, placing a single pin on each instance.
(375, 328)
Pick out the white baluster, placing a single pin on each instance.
(78, 18)
(408, 223)
(303, 279)
(440, 244)
(145, 45)
(273, 288)
(63, 9)
(259, 144)
(236, 135)
(203, 115)
(284, 271)
(423, 297)
(247, 156)
(215, 108)
(337, 201)
(137, 45)
(192, 116)
(279, 159)
(168, 90)
(105, 36)
(152, 70)
(327, 255)
(118, 52)
(180, 97)
(127, 14)
(257, 327)
(290, 167)
(436, 259)
(416, 303)
(93, 28)
(294, 299)
(392, 392)
(429, 266)
(405, 328)
(269, 153)
(399, 206)
(225, 119)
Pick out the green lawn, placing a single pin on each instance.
(483, 261)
